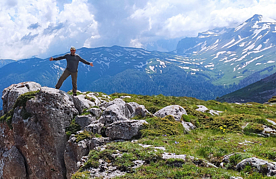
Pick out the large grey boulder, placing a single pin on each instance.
(95, 112)
(85, 120)
(82, 103)
(41, 137)
(174, 110)
(263, 166)
(115, 110)
(136, 109)
(125, 130)
(95, 127)
(11, 93)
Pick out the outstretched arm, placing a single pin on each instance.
(58, 58)
(86, 62)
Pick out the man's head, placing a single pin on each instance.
(73, 50)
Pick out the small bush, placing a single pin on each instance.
(84, 135)
(162, 126)
(73, 128)
(81, 175)
(253, 128)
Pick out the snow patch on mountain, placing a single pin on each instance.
(219, 53)
(240, 26)
(229, 43)
(185, 68)
(248, 62)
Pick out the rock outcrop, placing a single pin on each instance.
(34, 142)
(175, 110)
(263, 166)
(11, 93)
(33, 139)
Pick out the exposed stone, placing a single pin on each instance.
(73, 153)
(81, 103)
(41, 138)
(202, 108)
(116, 110)
(123, 97)
(96, 142)
(268, 131)
(95, 112)
(188, 126)
(94, 127)
(11, 93)
(175, 110)
(272, 122)
(12, 164)
(263, 166)
(125, 130)
(137, 110)
(95, 99)
(84, 120)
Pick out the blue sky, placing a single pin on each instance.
(48, 27)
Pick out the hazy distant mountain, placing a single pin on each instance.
(4, 62)
(236, 55)
(120, 69)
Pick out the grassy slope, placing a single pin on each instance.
(214, 138)
(260, 91)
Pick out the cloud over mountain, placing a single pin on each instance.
(43, 28)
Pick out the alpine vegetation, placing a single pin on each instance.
(48, 133)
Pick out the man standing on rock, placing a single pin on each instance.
(71, 69)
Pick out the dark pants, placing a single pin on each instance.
(65, 75)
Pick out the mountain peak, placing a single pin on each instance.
(255, 18)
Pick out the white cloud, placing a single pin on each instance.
(49, 27)
(40, 28)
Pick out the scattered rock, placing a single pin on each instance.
(115, 110)
(175, 110)
(11, 93)
(95, 112)
(81, 103)
(123, 97)
(94, 98)
(95, 127)
(137, 110)
(202, 108)
(125, 130)
(272, 122)
(268, 131)
(85, 120)
(188, 126)
(263, 166)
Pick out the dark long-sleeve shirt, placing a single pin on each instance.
(72, 61)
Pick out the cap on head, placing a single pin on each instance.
(72, 48)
